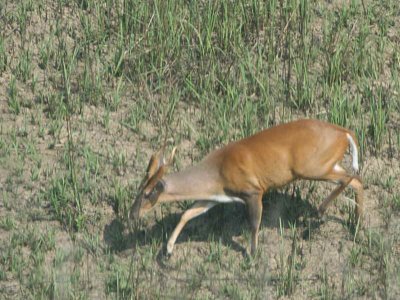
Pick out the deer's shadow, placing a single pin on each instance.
(222, 223)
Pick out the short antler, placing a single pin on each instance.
(171, 157)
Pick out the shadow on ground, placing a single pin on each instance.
(223, 222)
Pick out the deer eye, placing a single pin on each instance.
(153, 194)
(156, 191)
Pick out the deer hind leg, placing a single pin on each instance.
(254, 207)
(357, 186)
(198, 208)
(338, 174)
(328, 200)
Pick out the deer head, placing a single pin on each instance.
(152, 184)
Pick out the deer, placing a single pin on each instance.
(243, 171)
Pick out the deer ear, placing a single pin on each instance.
(152, 169)
(152, 182)
(152, 185)
(155, 163)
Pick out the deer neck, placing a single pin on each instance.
(194, 183)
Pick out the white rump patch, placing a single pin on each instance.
(354, 152)
(226, 199)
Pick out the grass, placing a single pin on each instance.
(89, 89)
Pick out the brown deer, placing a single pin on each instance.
(243, 171)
